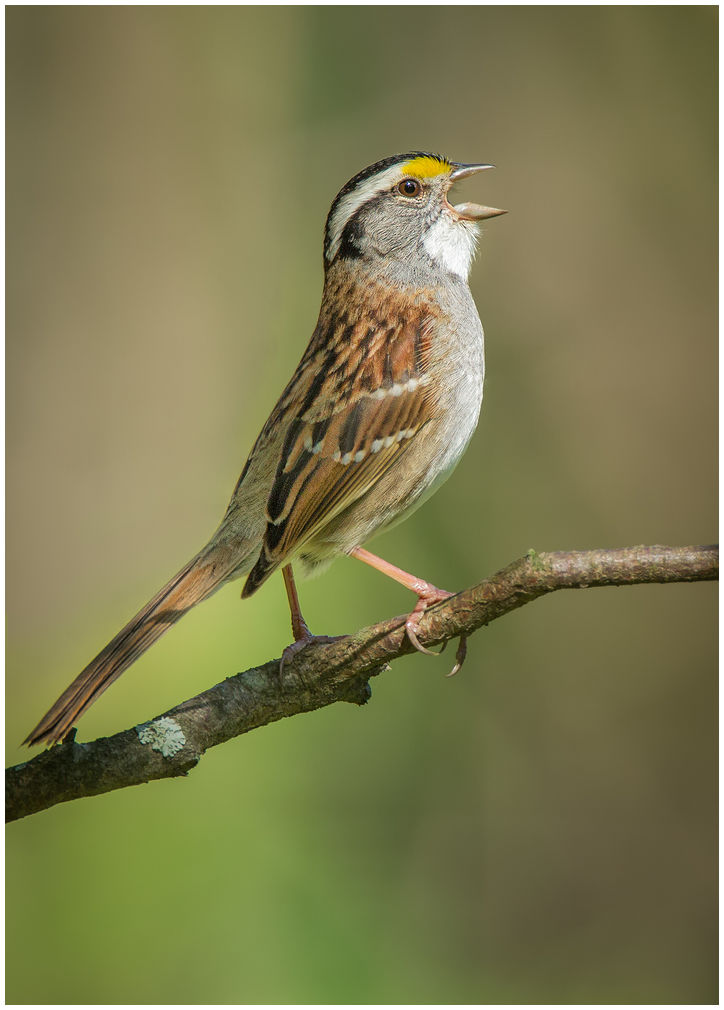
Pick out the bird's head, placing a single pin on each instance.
(398, 209)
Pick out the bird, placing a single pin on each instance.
(377, 414)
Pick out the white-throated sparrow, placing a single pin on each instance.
(377, 414)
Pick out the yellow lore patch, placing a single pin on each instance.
(427, 167)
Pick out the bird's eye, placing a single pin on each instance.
(409, 187)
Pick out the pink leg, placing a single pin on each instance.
(427, 594)
(302, 634)
(299, 626)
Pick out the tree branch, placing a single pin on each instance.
(323, 673)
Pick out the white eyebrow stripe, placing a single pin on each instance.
(352, 201)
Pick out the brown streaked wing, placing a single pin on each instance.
(368, 410)
(359, 445)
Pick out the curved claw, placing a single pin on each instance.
(433, 595)
(410, 632)
(460, 655)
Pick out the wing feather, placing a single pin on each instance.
(356, 418)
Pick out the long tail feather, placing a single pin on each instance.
(195, 582)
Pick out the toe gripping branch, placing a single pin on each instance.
(413, 621)
(427, 596)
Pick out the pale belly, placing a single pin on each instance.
(457, 435)
(404, 490)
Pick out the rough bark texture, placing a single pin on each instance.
(325, 672)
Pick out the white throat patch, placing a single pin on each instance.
(452, 244)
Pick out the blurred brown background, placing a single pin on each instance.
(542, 827)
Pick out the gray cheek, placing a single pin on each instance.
(387, 238)
(393, 229)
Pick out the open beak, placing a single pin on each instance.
(472, 211)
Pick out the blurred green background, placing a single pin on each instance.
(541, 828)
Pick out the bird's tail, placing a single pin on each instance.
(204, 574)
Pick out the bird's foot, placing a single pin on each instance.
(301, 643)
(427, 596)
(433, 595)
(302, 635)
